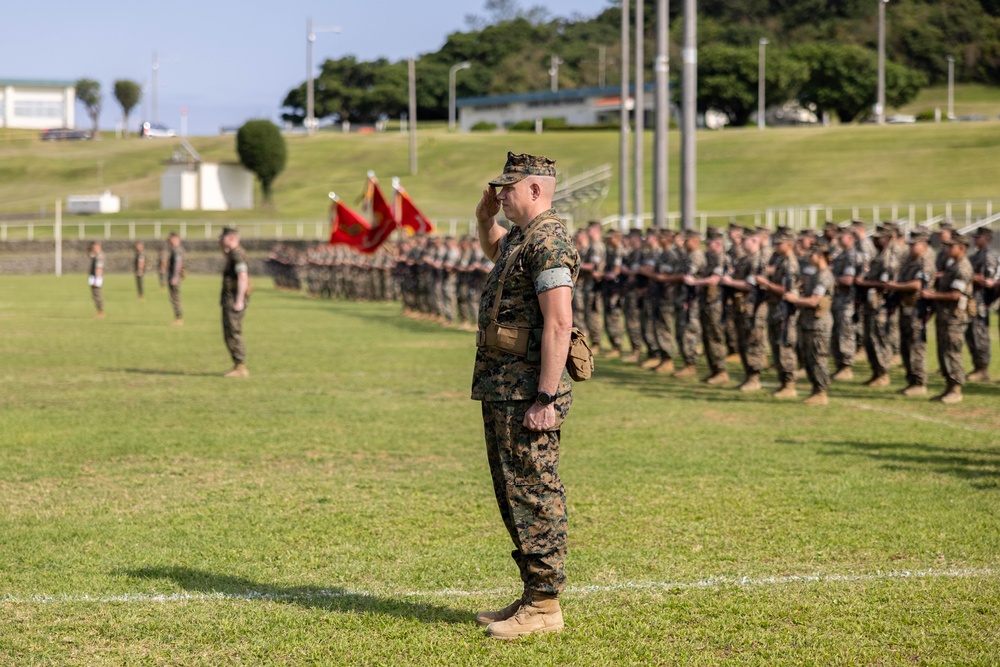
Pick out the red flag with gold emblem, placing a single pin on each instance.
(383, 220)
(410, 216)
(347, 226)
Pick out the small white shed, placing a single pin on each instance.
(102, 203)
(191, 184)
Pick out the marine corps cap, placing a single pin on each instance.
(956, 239)
(919, 235)
(947, 226)
(691, 234)
(822, 246)
(804, 233)
(712, 233)
(520, 166)
(984, 231)
(226, 231)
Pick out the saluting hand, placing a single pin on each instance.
(488, 206)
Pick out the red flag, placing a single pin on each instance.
(383, 220)
(346, 226)
(410, 216)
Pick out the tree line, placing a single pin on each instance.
(126, 92)
(821, 53)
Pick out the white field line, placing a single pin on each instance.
(916, 415)
(572, 591)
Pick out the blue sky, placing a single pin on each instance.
(225, 61)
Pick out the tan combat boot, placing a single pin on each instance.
(953, 395)
(666, 366)
(978, 375)
(239, 371)
(533, 616)
(879, 381)
(914, 390)
(787, 390)
(651, 362)
(484, 618)
(733, 358)
(722, 377)
(817, 398)
(843, 375)
(689, 371)
(613, 353)
(179, 322)
(752, 383)
(631, 358)
(99, 315)
(800, 374)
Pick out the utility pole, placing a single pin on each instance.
(689, 90)
(660, 156)
(951, 87)
(156, 70)
(554, 63)
(761, 104)
(880, 104)
(412, 122)
(602, 66)
(640, 113)
(451, 92)
(623, 165)
(310, 122)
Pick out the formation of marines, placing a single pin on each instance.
(435, 278)
(808, 305)
(662, 298)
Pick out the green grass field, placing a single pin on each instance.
(336, 508)
(738, 169)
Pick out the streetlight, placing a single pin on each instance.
(951, 87)
(880, 104)
(761, 105)
(451, 92)
(556, 61)
(311, 123)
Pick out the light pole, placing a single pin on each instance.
(311, 123)
(451, 92)
(638, 155)
(951, 87)
(689, 91)
(623, 130)
(761, 104)
(554, 64)
(880, 104)
(660, 169)
(155, 87)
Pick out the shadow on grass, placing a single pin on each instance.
(981, 467)
(158, 371)
(311, 597)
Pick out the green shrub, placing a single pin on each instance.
(925, 115)
(484, 126)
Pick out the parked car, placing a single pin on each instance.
(64, 134)
(155, 130)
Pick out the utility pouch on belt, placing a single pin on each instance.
(823, 307)
(526, 342)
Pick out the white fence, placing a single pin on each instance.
(965, 213)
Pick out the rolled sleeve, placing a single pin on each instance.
(560, 276)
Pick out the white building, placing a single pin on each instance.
(191, 184)
(578, 107)
(37, 104)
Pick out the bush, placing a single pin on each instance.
(547, 124)
(484, 126)
(262, 150)
(925, 115)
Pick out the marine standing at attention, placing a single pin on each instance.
(96, 278)
(175, 273)
(139, 267)
(235, 294)
(525, 321)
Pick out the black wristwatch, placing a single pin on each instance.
(544, 398)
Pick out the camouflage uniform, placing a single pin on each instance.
(750, 313)
(635, 287)
(913, 319)
(953, 318)
(782, 329)
(175, 266)
(844, 342)
(651, 311)
(96, 291)
(816, 325)
(710, 309)
(523, 463)
(591, 288)
(612, 289)
(449, 282)
(984, 263)
(662, 309)
(734, 253)
(878, 331)
(688, 308)
(232, 319)
(139, 270)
